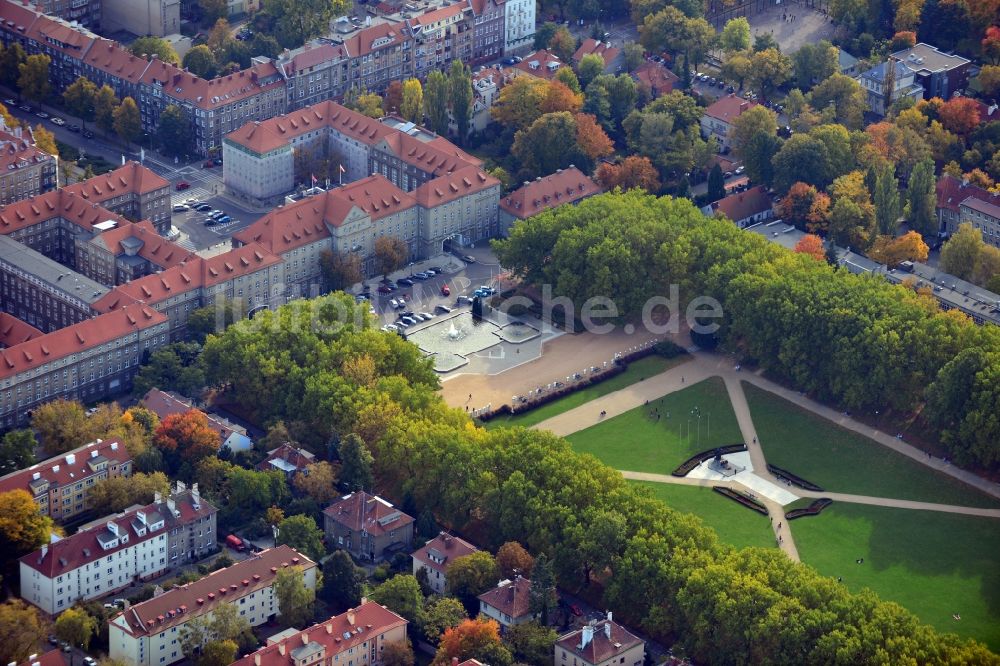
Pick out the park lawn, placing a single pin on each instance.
(934, 564)
(839, 460)
(735, 524)
(638, 442)
(636, 371)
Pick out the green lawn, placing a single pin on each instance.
(840, 460)
(637, 441)
(735, 524)
(636, 371)
(934, 564)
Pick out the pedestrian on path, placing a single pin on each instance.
(779, 524)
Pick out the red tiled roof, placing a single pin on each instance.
(131, 178)
(591, 45)
(340, 633)
(443, 546)
(155, 248)
(218, 587)
(361, 511)
(601, 647)
(657, 78)
(312, 54)
(298, 458)
(76, 338)
(165, 403)
(362, 43)
(541, 60)
(443, 189)
(988, 112)
(60, 36)
(512, 598)
(951, 192)
(57, 203)
(18, 17)
(13, 331)
(565, 186)
(75, 551)
(729, 108)
(435, 157)
(220, 91)
(51, 658)
(68, 472)
(16, 152)
(441, 14)
(111, 58)
(742, 205)
(267, 135)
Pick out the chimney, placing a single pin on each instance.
(171, 504)
(447, 541)
(610, 618)
(281, 649)
(350, 616)
(157, 497)
(71, 459)
(45, 551)
(454, 661)
(256, 658)
(586, 636)
(195, 493)
(607, 629)
(141, 515)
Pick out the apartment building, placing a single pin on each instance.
(84, 12)
(127, 252)
(356, 637)
(982, 215)
(61, 485)
(951, 192)
(565, 186)
(317, 71)
(717, 119)
(148, 634)
(904, 85)
(600, 643)
(519, 25)
(367, 527)
(25, 171)
(117, 551)
(132, 191)
(436, 555)
(939, 74)
(489, 23)
(440, 36)
(141, 17)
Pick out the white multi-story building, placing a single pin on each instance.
(519, 27)
(117, 551)
(149, 634)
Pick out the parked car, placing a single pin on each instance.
(489, 291)
(218, 161)
(42, 115)
(442, 309)
(739, 170)
(25, 107)
(90, 661)
(74, 128)
(180, 208)
(216, 213)
(430, 271)
(203, 208)
(208, 164)
(87, 134)
(404, 282)
(409, 321)
(65, 647)
(469, 259)
(235, 543)
(384, 289)
(57, 121)
(210, 222)
(182, 185)
(224, 219)
(427, 316)
(420, 276)
(53, 640)
(437, 269)
(10, 102)
(445, 291)
(390, 328)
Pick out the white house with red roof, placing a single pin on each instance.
(115, 552)
(436, 555)
(356, 637)
(367, 526)
(717, 119)
(600, 643)
(148, 633)
(745, 209)
(509, 603)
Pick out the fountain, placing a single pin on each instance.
(453, 332)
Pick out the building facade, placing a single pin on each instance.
(509, 603)
(367, 527)
(25, 171)
(951, 192)
(147, 634)
(717, 119)
(436, 555)
(938, 74)
(119, 551)
(565, 186)
(141, 17)
(61, 485)
(519, 25)
(489, 21)
(600, 643)
(984, 216)
(875, 86)
(357, 637)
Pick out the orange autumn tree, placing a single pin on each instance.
(959, 115)
(633, 172)
(473, 639)
(559, 97)
(591, 138)
(186, 437)
(812, 245)
(894, 251)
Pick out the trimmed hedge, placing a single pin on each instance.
(814, 509)
(795, 480)
(748, 502)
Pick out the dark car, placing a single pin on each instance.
(87, 134)
(203, 208)
(437, 269)
(217, 161)
(73, 128)
(404, 282)
(210, 221)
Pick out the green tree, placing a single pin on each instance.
(922, 199)
(590, 67)
(543, 590)
(79, 98)
(76, 626)
(127, 121)
(737, 68)
(543, 35)
(716, 184)
(398, 654)
(563, 44)
(391, 254)
(343, 581)
(11, 60)
(212, 10)
(548, 144)
(295, 598)
(568, 78)
(471, 575)
(265, 45)
(300, 532)
(224, 624)
(735, 35)
(105, 103)
(177, 367)
(34, 80)
(801, 158)
(117, 493)
(436, 102)
(44, 140)
(200, 61)
(340, 270)
(845, 96)
(460, 98)
(17, 451)
(413, 100)
(174, 131)
(959, 254)
(634, 56)
(769, 69)
(513, 560)
(218, 653)
(886, 200)
(154, 46)
(200, 324)
(530, 643)
(22, 628)
(61, 425)
(758, 155)
(298, 21)
(401, 594)
(749, 123)
(441, 614)
(815, 62)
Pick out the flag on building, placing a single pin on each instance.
(314, 180)
(342, 169)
